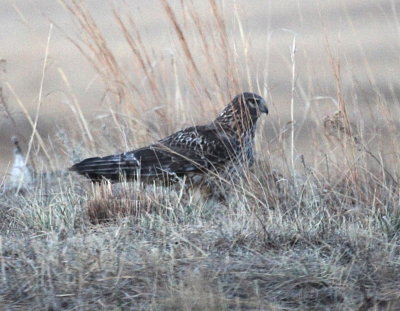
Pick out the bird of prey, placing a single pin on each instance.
(222, 146)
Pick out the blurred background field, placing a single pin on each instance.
(361, 37)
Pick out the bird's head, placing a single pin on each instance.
(243, 111)
(253, 103)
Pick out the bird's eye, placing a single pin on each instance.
(252, 102)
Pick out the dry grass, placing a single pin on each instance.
(312, 230)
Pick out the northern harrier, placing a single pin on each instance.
(224, 145)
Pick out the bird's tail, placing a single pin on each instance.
(112, 167)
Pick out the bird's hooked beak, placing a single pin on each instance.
(263, 106)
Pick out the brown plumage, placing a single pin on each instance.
(220, 146)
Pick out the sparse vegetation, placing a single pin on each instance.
(309, 228)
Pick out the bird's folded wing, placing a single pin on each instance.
(195, 149)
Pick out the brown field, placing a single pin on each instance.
(315, 224)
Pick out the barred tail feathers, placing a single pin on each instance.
(110, 167)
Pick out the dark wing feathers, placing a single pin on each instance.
(195, 149)
(200, 147)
